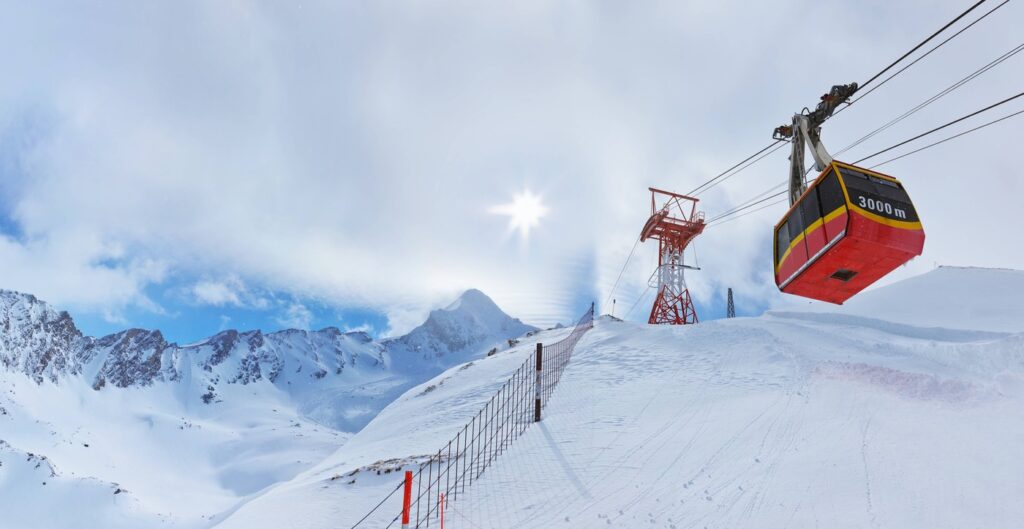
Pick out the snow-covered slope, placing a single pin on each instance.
(145, 457)
(139, 432)
(33, 487)
(787, 420)
(949, 296)
(341, 488)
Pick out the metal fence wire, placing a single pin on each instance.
(491, 431)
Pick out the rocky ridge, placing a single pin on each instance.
(46, 346)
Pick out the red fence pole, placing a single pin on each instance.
(407, 499)
(442, 510)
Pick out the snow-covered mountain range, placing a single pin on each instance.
(45, 345)
(132, 430)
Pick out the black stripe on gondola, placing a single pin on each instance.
(882, 197)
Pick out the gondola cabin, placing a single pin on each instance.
(849, 229)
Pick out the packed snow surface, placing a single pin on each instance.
(75, 457)
(891, 417)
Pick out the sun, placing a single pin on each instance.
(524, 212)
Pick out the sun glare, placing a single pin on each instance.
(524, 212)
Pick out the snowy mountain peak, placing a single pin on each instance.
(473, 322)
(474, 305)
(472, 299)
(135, 357)
(359, 336)
(35, 339)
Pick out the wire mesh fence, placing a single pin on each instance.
(557, 355)
(505, 417)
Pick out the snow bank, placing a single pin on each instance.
(952, 297)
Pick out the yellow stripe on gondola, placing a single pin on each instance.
(901, 224)
(802, 235)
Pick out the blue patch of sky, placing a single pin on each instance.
(9, 176)
(8, 226)
(18, 137)
(586, 289)
(745, 305)
(183, 321)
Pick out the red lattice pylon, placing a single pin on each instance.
(674, 224)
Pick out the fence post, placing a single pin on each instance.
(458, 441)
(406, 499)
(536, 402)
(442, 510)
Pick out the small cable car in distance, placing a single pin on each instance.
(849, 228)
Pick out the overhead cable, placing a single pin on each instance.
(944, 140)
(940, 127)
(929, 52)
(992, 64)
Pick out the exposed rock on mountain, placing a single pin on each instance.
(35, 339)
(45, 345)
(452, 333)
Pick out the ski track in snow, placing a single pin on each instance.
(867, 474)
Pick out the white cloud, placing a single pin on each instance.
(365, 327)
(81, 272)
(296, 316)
(348, 153)
(230, 291)
(217, 294)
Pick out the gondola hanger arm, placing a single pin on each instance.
(806, 129)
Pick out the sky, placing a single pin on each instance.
(194, 166)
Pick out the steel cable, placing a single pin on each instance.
(701, 188)
(993, 122)
(748, 206)
(940, 127)
(734, 217)
(929, 52)
(782, 143)
(992, 64)
(720, 219)
(624, 265)
(922, 43)
(710, 183)
(386, 498)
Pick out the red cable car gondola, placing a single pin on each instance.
(849, 228)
